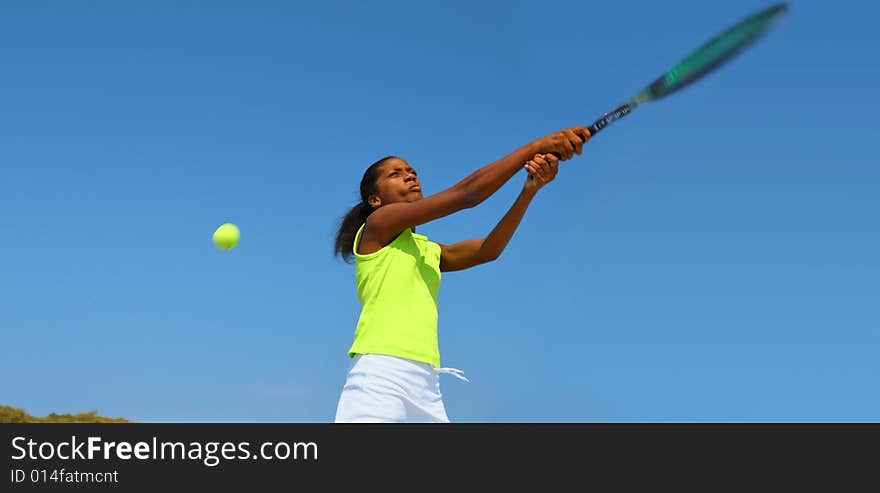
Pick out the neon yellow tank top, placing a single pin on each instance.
(397, 287)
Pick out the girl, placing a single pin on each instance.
(395, 367)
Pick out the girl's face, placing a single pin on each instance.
(397, 182)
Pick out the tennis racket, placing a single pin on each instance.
(707, 58)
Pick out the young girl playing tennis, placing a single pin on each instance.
(395, 367)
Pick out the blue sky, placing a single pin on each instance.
(712, 257)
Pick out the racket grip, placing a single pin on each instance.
(618, 113)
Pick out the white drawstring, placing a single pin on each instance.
(455, 372)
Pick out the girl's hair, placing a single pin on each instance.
(358, 214)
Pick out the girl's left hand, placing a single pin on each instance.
(542, 170)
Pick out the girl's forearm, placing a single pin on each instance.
(482, 183)
(497, 240)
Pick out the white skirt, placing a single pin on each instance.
(388, 389)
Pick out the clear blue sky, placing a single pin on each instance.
(712, 257)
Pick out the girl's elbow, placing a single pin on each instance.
(491, 257)
(470, 198)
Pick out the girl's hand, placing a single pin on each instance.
(565, 143)
(542, 170)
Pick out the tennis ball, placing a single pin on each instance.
(226, 236)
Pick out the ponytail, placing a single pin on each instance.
(348, 229)
(358, 214)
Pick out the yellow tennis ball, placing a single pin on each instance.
(226, 236)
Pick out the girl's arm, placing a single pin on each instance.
(388, 221)
(470, 253)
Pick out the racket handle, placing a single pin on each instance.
(618, 113)
(610, 117)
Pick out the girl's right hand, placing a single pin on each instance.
(565, 143)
